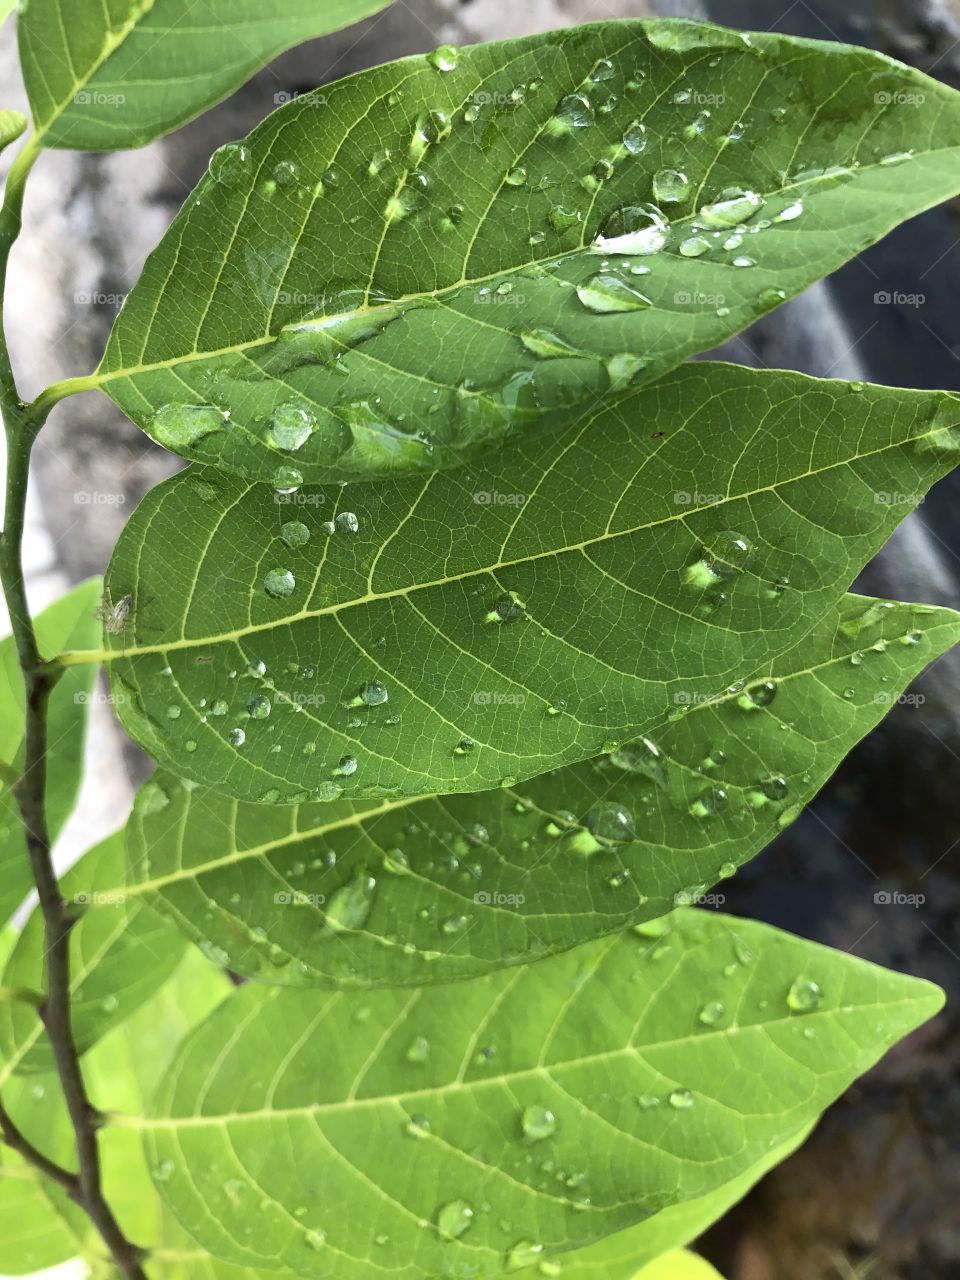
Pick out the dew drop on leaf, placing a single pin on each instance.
(734, 207)
(349, 906)
(635, 137)
(178, 426)
(444, 58)
(681, 1099)
(605, 294)
(236, 737)
(610, 823)
(523, 1254)
(259, 707)
(346, 522)
(804, 996)
(454, 1219)
(291, 426)
(712, 1013)
(279, 583)
(694, 247)
(709, 803)
(295, 533)
(670, 186)
(538, 1122)
(418, 1049)
(573, 112)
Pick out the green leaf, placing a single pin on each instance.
(444, 888)
(121, 1072)
(434, 235)
(103, 77)
(33, 1235)
(680, 1265)
(639, 576)
(69, 623)
(120, 955)
(464, 1130)
(12, 123)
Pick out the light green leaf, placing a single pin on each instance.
(633, 577)
(69, 623)
(445, 888)
(680, 1265)
(433, 234)
(120, 955)
(12, 123)
(465, 1130)
(102, 77)
(121, 1072)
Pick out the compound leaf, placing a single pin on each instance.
(428, 1129)
(412, 637)
(462, 237)
(105, 76)
(450, 887)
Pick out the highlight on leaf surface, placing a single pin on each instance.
(409, 637)
(497, 1124)
(425, 259)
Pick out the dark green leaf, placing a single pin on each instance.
(433, 234)
(463, 1131)
(105, 76)
(632, 576)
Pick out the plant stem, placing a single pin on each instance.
(39, 678)
(24, 1148)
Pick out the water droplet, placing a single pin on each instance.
(418, 1050)
(347, 766)
(611, 824)
(228, 163)
(454, 1219)
(454, 924)
(573, 112)
(349, 906)
(286, 174)
(897, 157)
(670, 186)
(508, 608)
(516, 177)
(804, 996)
(562, 219)
(712, 1013)
(607, 294)
(635, 137)
(259, 707)
(634, 230)
(316, 1238)
(464, 747)
(642, 757)
(174, 712)
(694, 247)
(758, 695)
(444, 58)
(681, 1099)
(374, 694)
(775, 788)
(791, 212)
(538, 1122)
(709, 803)
(523, 1254)
(433, 127)
(236, 737)
(291, 426)
(179, 426)
(734, 207)
(164, 1171)
(279, 582)
(295, 533)
(418, 1126)
(346, 522)
(744, 261)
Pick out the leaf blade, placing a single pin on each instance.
(218, 1108)
(456, 331)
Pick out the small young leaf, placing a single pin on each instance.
(119, 958)
(427, 1129)
(465, 630)
(67, 624)
(102, 79)
(12, 123)
(494, 242)
(451, 887)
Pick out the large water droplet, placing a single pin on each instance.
(295, 533)
(259, 707)
(279, 583)
(444, 58)
(573, 112)
(349, 906)
(523, 1254)
(178, 426)
(709, 803)
(454, 1219)
(606, 294)
(670, 186)
(538, 1122)
(635, 137)
(642, 757)
(228, 163)
(681, 1099)
(804, 996)
(291, 426)
(735, 205)
(610, 823)
(634, 230)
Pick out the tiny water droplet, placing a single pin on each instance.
(712, 1013)
(681, 1099)
(454, 1219)
(804, 996)
(538, 1122)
